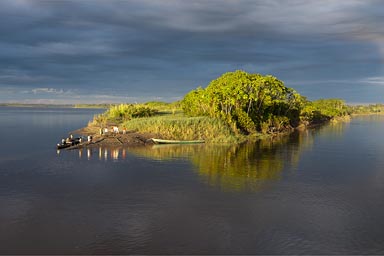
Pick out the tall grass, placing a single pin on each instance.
(166, 121)
(184, 128)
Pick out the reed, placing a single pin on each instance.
(184, 128)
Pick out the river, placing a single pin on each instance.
(314, 192)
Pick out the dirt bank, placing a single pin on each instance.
(130, 138)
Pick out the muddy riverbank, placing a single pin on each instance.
(129, 138)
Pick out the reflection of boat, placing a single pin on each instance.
(160, 141)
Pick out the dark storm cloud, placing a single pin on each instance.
(141, 50)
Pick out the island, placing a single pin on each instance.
(235, 107)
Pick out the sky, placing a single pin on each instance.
(91, 51)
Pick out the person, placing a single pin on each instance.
(62, 141)
(101, 131)
(71, 136)
(124, 130)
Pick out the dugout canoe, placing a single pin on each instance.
(160, 141)
(67, 144)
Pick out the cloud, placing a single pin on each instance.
(73, 48)
(47, 90)
(373, 80)
(144, 47)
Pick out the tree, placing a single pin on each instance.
(323, 109)
(246, 101)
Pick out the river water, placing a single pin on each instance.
(314, 192)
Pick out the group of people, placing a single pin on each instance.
(67, 140)
(114, 129)
(71, 140)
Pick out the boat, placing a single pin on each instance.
(67, 144)
(63, 145)
(160, 141)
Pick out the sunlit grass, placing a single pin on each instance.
(166, 121)
(180, 127)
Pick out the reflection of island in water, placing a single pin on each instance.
(236, 167)
(249, 165)
(230, 167)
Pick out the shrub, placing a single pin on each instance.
(124, 112)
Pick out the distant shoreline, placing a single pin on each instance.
(25, 105)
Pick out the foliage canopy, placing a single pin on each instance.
(248, 102)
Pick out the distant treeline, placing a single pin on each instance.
(105, 106)
(27, 105)
(367, 109)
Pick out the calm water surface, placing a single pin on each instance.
(315, 192)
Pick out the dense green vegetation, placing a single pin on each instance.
(247, 102)
(252, 103)
(235, 105)
(322, 110)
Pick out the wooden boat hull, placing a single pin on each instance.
(61, 146)
(160, 141)
(73, 142)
